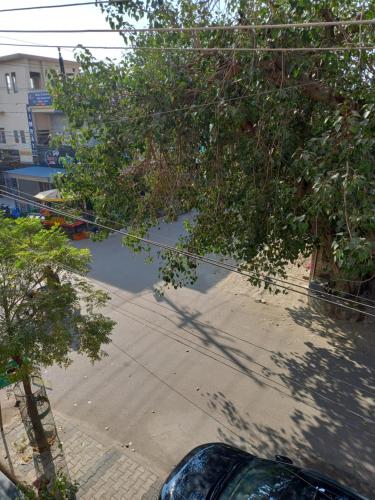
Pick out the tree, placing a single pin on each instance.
(274, 151)
(46, 308)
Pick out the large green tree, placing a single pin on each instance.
(273, 151)
(46, 308)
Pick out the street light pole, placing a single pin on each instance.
(61, 62)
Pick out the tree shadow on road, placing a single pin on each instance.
(306, 445)
(337, 372)
(338, 377)
(221, 346)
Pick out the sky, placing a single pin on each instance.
(82, 17)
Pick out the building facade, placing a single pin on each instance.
(27, 117)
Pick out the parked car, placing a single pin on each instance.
(219, 471)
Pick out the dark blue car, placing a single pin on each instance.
(219, 471)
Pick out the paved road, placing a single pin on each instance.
(213, 363)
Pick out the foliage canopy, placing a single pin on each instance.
(273, 151)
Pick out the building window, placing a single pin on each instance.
(14, 82)
(35, 80)
(16, 136)
(23, 138)
(43, 137)
(2, 136)
(7, 82)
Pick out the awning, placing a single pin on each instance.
(50, 195)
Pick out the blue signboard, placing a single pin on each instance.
(42, 98)
(31, 129)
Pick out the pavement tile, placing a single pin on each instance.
(102, 472)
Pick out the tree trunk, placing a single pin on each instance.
(329, 289)
(32, 411)
(324, 269)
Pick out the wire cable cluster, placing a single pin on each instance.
(277, 282)
(58, 6)
(193, 29)
(210, 50)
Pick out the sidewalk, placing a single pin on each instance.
(102, 472)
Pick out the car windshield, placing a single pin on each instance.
(274, 481)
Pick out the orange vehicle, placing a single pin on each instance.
(76, 230)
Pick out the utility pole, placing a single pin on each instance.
(61, 62)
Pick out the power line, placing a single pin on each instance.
(209, 414)
(75, 4)
(190, 29)
(358, 282)
(194, 321)
(194, 106)
(214, 262)
(357, 302)
(171, 334)
(20, 40)
(203, 49)
(259, 374)
(113, 293)
(217, 102)
(266, 280)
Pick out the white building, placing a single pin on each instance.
(27, 117)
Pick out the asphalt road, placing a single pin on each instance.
(212, 363)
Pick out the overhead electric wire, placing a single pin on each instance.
(57, 6)
(201, 49)
(234, 268)
(213, 355)
(291, 276)
(209, 414)
(217, 102)
(267, 280)
(189, 29)
(207, 260)
(262, 375)
(195, 346)
(131, 301)
(24, 41)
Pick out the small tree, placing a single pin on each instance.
(45, 306)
